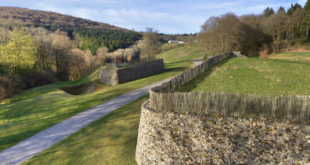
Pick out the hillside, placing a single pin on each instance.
(27, 113)
(91, 34)
(37, 17)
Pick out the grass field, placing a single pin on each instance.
(39, 108)
(110, 140)
(281, 74)
(292, 56)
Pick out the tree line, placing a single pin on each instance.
(272, 30)
(34, 56)
(94, 38)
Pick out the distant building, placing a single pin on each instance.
(175, 41)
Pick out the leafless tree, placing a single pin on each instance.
(150, 44)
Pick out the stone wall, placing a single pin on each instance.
(113, 75)
(108, 75)
(185, 138)
(221, 128)
(164, 98)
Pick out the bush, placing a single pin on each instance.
(10, 86)
(78, 63)
(37, 78)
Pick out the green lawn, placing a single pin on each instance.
(109, 140)
(39, 108)
(256, 76)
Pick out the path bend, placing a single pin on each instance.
(41, 141)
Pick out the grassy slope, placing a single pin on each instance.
(110, 140)
(257, 76)
(37, 109)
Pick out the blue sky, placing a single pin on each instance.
(166, 16)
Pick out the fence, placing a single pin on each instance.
(164, 98)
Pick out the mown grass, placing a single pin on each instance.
(39, 108)
(109, 140)
(256, 76)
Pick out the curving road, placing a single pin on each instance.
(30, 147)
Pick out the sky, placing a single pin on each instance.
(166, 16)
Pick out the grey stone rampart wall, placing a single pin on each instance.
(140, 70)
(113, 75)
(186, 138)
(221, 128)
(108, 75)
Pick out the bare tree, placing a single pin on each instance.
(77, 63)
(221, 34)
(150, 44)
(275, 26)
(61, 44)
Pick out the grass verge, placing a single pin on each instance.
(109, 140)
(39, 108)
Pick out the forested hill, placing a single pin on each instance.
(91, 34)
(37, 17)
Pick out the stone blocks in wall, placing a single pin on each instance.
(185, 138)
(220, 128)
(113, 75)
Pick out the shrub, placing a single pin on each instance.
(37, 78)
(9, 86)
(78, 63)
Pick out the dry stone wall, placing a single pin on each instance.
(113, 75)
(186, 138)
(221, 128)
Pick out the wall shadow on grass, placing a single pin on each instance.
(175, 69)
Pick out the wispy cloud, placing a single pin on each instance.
(177, 16)
(303, 2)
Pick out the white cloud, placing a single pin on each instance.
(302, 2)
(177, 16)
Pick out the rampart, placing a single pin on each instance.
(113, 75)
(221, 128)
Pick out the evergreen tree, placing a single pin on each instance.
(281, 9)
(268, 12)
(293, 8)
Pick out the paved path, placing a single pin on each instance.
(30, 147)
